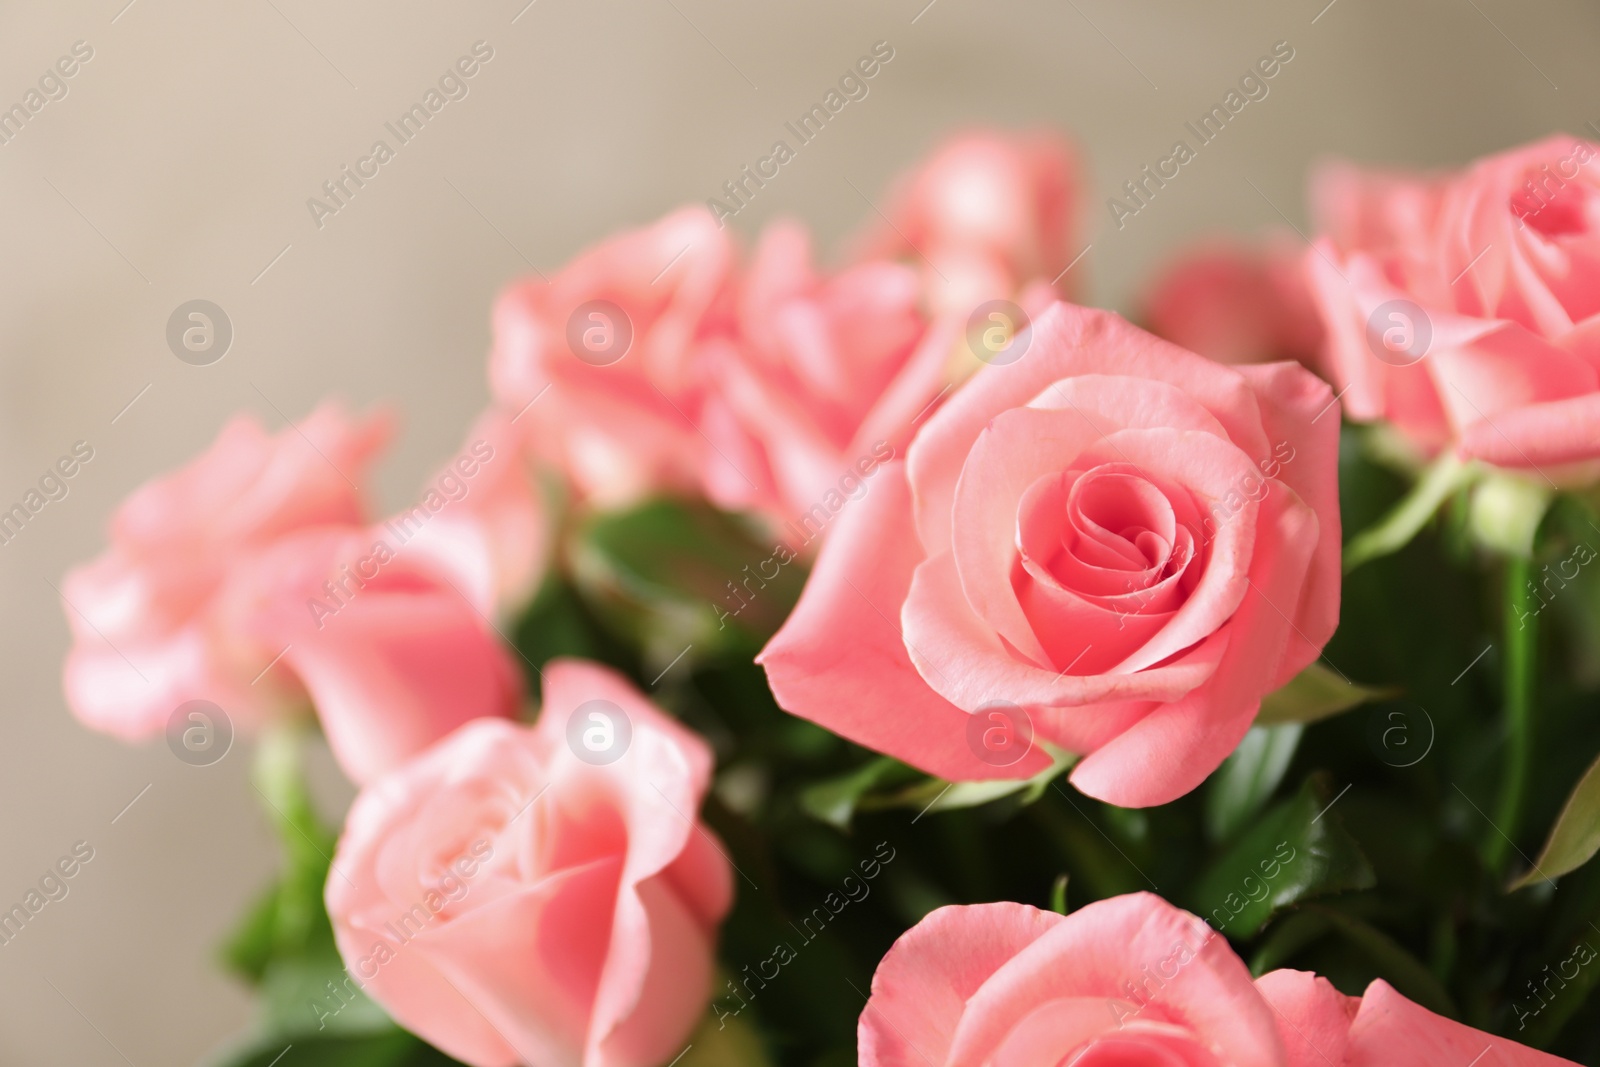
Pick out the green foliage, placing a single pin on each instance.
(1400, 728)
(1295, 852)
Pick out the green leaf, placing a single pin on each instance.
(1575, 837)
(1315, 693)
(936, 794)
(834, 801)
(1287, 937)
(672, 573)
(885, 783)
(1247, 779)
(1297, 851)
(251, 945)
(559, 623)
(1447, 474)
(315, 994)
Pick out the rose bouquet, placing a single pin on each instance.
(895, 662)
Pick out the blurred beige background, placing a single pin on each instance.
(178, 166)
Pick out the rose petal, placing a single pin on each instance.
(840, 659)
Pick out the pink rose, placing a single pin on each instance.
(514, 900)
(375, 636)
(1130, 980)
(990, 211)
(1465, 309)
(249, 579)
(1236, 302)
(147, 631)
(826, 379)
(1125, 981)
(482, 520)
(1112, 542)
(1321, 1027)
(619, 339)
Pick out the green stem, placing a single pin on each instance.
(1522, 643)
(1396, 529)
(279, 777)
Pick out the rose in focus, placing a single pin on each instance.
(1131, 980)
(1123, 543)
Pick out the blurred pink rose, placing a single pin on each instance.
(482, 519)
(611, 355)
(1131, 980)
(826, 379)
(1119, 542)
(250, 579)
(153, 596)
(390, 653)
(1321, 1027)
(514, 900)
(1237, 302)
(990, 211)
(1465, 309)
